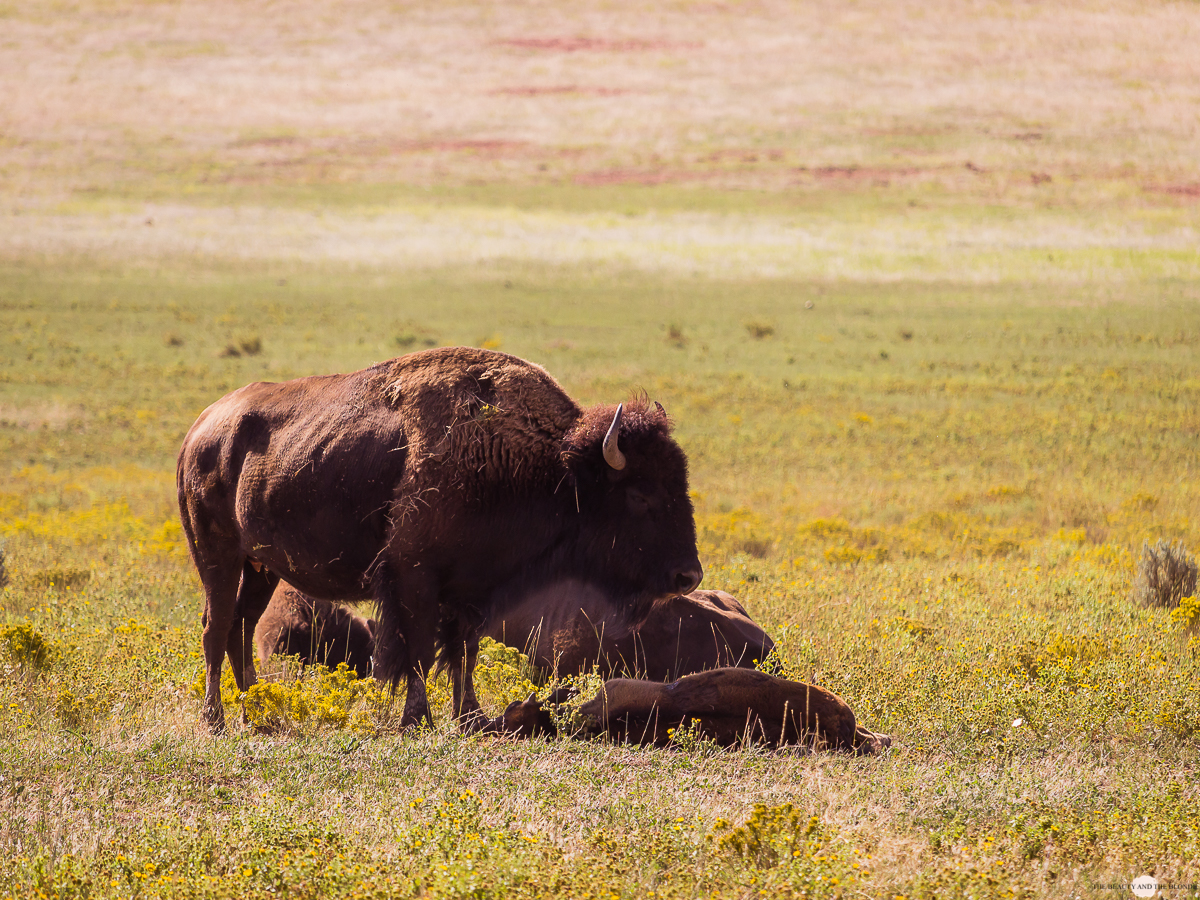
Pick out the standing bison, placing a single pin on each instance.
(444, 485)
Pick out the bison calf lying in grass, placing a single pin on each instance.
(727, 706)
(568, 627)
(295, 624)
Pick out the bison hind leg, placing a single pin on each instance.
(219, 576)
(459, 653)
(407, 616)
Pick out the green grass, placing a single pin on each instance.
(932, 494)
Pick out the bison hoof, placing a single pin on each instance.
(415, 723)
(214, 718)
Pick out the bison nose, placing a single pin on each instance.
(688, 578)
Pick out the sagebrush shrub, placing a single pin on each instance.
(1166, 574)
(26, 646)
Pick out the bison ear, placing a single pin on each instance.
(662, 412)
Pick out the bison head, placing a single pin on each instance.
(637, 531)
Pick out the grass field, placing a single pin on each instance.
(919, 285)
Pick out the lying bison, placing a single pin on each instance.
(568, 627)
(295, 624)
(444, 485)
(727, 706)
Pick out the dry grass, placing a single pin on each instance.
(1166, 574)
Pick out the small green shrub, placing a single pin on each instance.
(334, 698)
(77, 713)
(503, 673)
(1187, 613)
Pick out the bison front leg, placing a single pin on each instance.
(408, 615)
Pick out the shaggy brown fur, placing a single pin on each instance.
(295, 624)
(443, 485)
(570, 626)
(728, 706)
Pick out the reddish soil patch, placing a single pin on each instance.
(595, 45)
(1191, 191)
(537, 91)
(743, 155)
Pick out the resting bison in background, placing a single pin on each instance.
(570, 626)
(295, 624)
(728, 706)
(567, 627)
(444, 485)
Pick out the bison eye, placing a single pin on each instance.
(639, 503)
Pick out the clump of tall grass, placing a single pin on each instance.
(1166, 574)
(4, 579)
(759, 330)
(246, 346)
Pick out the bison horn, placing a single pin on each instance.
(612, 453)
(660, 408)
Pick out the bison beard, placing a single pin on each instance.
(443, 485)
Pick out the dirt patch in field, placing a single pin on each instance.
(1187, 191)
